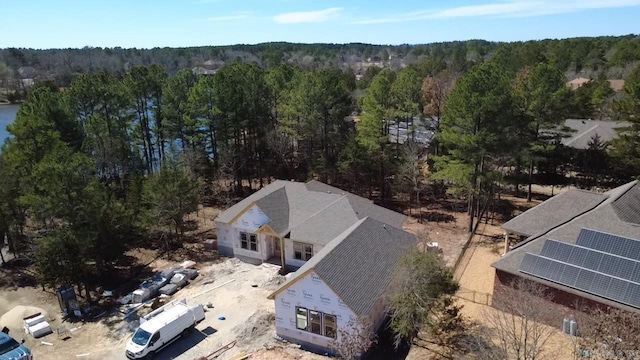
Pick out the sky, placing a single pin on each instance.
(182, 23)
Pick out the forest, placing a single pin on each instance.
(588, 56)
(115, 160)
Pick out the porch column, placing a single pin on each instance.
(506, 242)
(282, 252)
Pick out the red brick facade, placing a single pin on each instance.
(563, 304)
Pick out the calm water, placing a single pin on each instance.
(7, 115)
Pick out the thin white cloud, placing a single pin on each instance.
(515, 8)
(308, 16)
(228, 18)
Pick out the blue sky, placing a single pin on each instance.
(152, 23)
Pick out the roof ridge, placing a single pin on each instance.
(583, 133)
(635, 182)
(539, 235)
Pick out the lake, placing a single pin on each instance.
(7, 115)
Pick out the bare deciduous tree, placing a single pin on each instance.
(354, 339)
(518, 322)
(609, 334)
(412, 172)
(435, 90)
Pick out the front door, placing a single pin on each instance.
(276, 246)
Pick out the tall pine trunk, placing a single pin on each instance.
(530, 180)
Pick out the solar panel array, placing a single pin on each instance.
(601, 264)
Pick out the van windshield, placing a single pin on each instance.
(141, 337)
(8, 345)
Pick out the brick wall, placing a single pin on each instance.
(563, 304)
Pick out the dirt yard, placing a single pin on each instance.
(236, 291)
(476, 277)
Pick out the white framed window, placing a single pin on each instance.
(301, 318)
(330, 326)
(302, 251)
(249, 241)
(315, 322)
(253, 242)
(244, 243)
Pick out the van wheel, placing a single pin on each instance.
(149, 355)
(186, 332)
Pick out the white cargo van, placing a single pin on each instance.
(161, 327)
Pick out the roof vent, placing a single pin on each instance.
(328, 191)
(384, 226)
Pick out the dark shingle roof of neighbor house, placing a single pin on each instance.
(313, 211)
(359, 264)
(627, 206)
(553, 212)
(582, 131)
(616, 214)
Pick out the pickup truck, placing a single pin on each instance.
(10, 349)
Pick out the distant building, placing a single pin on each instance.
(419, 130)
(583, 131)
(616, 84)
(199, 70)
(576, 83)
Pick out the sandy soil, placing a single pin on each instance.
(476, 277)
(450, 236)
(227, 284)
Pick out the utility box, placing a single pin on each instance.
(211, 245)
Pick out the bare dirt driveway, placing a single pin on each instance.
(241, 314)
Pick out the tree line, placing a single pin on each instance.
(588, 56)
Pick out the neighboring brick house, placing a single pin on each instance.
(583, 246)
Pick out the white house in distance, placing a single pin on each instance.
(348, 279)
(292, 221)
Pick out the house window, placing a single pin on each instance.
(302, 251)
(301, 318)
(253, 242)
(248, 241)
(243, 240)
(315, 322)
(330, 326)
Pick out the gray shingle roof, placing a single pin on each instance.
(627, 206)
(603, 218)
(229, 214)
(364, 207)
(582, 131)
(553, 212)
(277, 204)
(314, 211)
(359, 264)
(325, 225)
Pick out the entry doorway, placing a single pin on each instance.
(277, 251)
